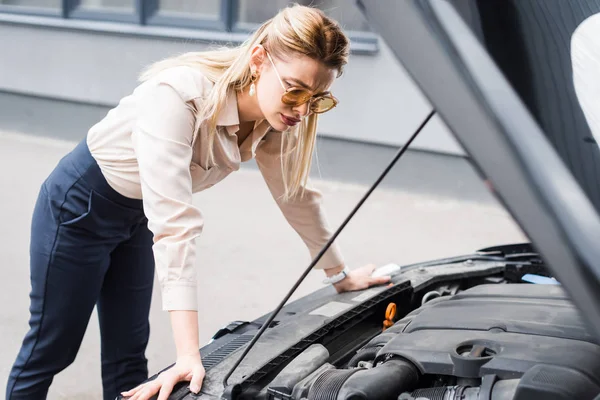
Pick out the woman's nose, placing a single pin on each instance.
(303, 109)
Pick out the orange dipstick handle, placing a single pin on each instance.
(390, 314)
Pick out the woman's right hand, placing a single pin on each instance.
(187, 368)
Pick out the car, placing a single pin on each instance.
(513, 321)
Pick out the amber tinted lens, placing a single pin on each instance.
(322, 104)
(296, 97)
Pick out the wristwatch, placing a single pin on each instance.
(337, 277)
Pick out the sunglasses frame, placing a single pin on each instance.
(310, 99)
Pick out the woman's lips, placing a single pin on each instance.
(289, 121)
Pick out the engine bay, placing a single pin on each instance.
(492, 341)
(466, 327)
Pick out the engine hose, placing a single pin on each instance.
(386, 381)
(365, 354)
(430, 296)
(328, 385)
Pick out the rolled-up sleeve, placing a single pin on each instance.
(162, 139)
(305, 214)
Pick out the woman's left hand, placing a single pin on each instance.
(360, 278)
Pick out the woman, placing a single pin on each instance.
(121, 201)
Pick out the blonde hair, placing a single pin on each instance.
(300, 29)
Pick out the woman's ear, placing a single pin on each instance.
(257, 58)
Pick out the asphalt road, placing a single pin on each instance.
(248, 255)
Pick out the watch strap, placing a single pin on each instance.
(337, 277)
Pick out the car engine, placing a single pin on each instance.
(496, 341)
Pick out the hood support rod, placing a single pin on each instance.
(231, 392)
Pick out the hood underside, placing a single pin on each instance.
(507, 145)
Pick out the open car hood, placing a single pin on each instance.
(506, 144)
(467, 325)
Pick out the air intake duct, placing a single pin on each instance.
(386, 381)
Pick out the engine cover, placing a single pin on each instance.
(504, 330)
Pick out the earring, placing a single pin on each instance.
(252, 86)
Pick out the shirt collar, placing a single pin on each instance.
(230, 119)
(229, 116)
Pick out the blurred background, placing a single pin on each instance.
(65, 63)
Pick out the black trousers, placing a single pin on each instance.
(90, 246)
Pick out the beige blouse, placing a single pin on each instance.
(150, 147)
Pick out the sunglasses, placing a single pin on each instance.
(296, 96)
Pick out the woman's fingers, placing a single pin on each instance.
(380, 280)
(197, 379)
(149, 389)
(133, 391)
(167, 388)
(163, 385)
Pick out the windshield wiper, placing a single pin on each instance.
(232, 391)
